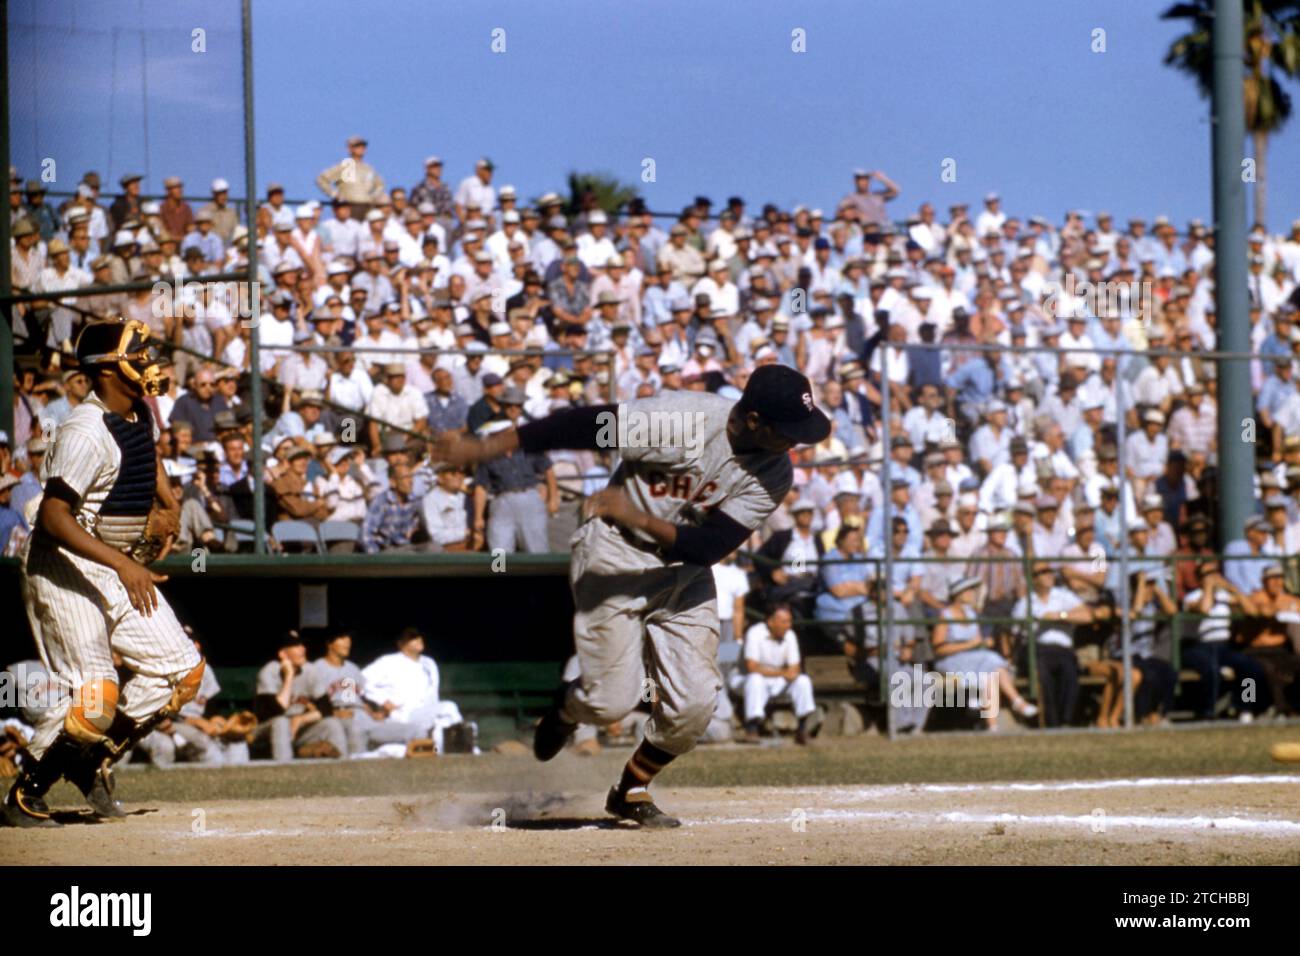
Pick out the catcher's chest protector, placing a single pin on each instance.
(125, 512)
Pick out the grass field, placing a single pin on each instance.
(1205, 795)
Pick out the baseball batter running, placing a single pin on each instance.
(107, 511)
(698, 474)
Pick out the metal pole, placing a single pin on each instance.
(254, 293)
(6, 273)
(1125, 624)
(1227, 120)
(887, 536)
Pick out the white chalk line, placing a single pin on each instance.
(841, 795)
(884, 791)
(1233, 824)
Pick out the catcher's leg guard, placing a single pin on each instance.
(186, 689)
(24, 805)
(93, 708)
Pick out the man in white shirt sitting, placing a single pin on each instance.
(404, 685)
(771, 666)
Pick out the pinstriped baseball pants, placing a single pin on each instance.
(80, 613)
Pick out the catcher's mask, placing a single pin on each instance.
(126, 344)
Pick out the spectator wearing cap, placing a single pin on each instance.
(40, 212)
(570, 295)
(1151, 606)
(1146, 451)
(353, 179)
(515, 492)
(31, 485)
(342, 487)
(13, 526)
(59, 275)
(76, 386)
(1003, 581)
(1158, 385)
(476, 190)
(960, 648)
(448, 411)
(990, 443)
(1270, 638)
(350, 385)
(295, 498)
(643, 373)
(925, 422)
(343, 236)
(374, 280)
(1284, 535)
(1056, 611)
(680, 258)
(445, 510)
(998, 492)
(790, 560)
(288, 722)
(1194, 427)
(126, 206)
(393, 516)
(176, 214)
(224, 218)
(1214, 598)
(1161, 539)
(941, 571)
(395, 403)
(432, 190)
(488, 407)
(868, 204)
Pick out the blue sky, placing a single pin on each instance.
(1010, 90)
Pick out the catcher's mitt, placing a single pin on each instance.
(160, 531)
(239, 726)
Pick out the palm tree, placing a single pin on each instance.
(610, 194)
(1272, 51)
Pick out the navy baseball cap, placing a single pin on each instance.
(783, 397)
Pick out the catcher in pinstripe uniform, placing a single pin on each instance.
(107, 512)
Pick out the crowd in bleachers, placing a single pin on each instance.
(463, 307)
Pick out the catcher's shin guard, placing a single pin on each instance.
(24, 805)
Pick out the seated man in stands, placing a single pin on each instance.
(1275, 616)
(771, 666)
(287, 718)
(404, 686)
(1215, 598)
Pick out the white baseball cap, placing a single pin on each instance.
(219, 185)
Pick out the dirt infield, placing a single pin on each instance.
(1246, 820)
(1167, 797)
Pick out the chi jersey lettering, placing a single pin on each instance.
(693, 470)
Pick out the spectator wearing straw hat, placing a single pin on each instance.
(1055, 611)
(1215, 598)
(353, 179)
(959, 648)
(514, 493)
(395, 403)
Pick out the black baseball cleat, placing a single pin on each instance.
(552, 733)
(100, 797)
(25, 810)
(639, 808)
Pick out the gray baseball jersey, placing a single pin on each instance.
(678, 464)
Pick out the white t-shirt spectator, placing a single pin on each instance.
(761, 648)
